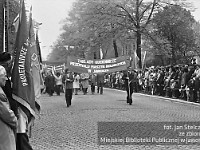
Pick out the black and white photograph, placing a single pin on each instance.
(99, 74)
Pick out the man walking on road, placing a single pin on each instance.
(100, 81)
(93, 82)
(68, 82)
(128, 78)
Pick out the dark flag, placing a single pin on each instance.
(23, 87)
(35, 63)
(38, 47)
(40, 60)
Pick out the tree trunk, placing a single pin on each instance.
(138, 47)
(115, 48)
(162, 61)
(138, 35)
(173, 49)
(173, 57)
(95, 55)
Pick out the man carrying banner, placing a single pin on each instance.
(128, 77)
(68, 80)
(93, 82)
(100, 82)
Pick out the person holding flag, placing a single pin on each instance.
(24, 75)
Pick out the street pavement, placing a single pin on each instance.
(75, 128)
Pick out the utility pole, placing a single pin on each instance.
(6, 26)
(1, 24)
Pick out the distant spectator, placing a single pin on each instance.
(76, 83)
(85, 82)
(100, 82)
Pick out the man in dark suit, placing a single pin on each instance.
(93, 82)
(128, 78)
(100, 82)
(68, 80)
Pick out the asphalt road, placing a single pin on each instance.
(62, 128)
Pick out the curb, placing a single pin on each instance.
(161, 97)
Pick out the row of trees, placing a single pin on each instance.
(163, 28)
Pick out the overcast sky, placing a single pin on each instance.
(51, 12)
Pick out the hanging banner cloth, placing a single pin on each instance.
(80, 65)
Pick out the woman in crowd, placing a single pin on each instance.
(8, 120)
(76, 83)
(85, 82)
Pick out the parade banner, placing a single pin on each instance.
(80, 65)
(59, 66)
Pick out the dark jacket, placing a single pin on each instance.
(50, 81)
(68, 81)
(93, 79)
(100, 78)
(130, 80)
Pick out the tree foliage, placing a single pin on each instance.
(174, 23)
(116, 26)
(196, 29)
(97, 22)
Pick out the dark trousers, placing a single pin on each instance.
(58, 89)
(23, 142)
(100, 88)
(129, 90)
(92, 88)
(68, 96)
(159, 90)
(49, 90)
(194, 96)
(85, 91)
(76, 91)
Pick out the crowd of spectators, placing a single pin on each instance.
(179, 82)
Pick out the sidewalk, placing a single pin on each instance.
(161, 97)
